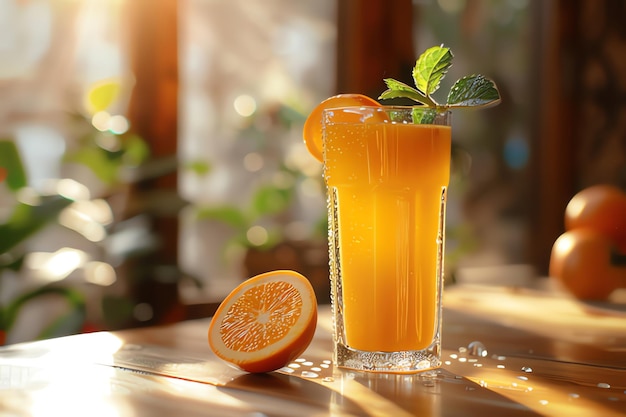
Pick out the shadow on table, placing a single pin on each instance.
(440, 395)
(291, 389)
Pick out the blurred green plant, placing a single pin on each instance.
(270, 200)
(115, 156)
(105, 153)
(24, 221)
(266, 201)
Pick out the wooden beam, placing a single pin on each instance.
(153, 52)
(553, 177)
(374, 41)
(153, 114)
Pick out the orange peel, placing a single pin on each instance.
(312, 131)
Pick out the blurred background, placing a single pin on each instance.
(152, 153)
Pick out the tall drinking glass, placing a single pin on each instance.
(386, 172)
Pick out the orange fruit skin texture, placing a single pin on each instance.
(278, 353)
(312, 130)
(582, 257)
(581, 262)
(602, 208)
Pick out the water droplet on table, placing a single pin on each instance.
(527, 369)
(603, 385)
(309, 374)
(477, 348)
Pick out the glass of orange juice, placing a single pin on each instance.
(387, 176)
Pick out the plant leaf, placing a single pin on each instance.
(102, 94)
(98, 162)
(10, 160)
(199, 167)
(423, 115)
(431, 67)
(26, 220)
(136, 150)
(74, 298)
(398, 89)
(117, 310)
(67, 324)
(270, 199)
(230, 215)
(473, 91)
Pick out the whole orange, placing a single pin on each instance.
(601, 208)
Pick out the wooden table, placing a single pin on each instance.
(536, 353)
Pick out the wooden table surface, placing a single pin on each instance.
(507, 352)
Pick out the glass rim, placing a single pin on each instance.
(391, 108)
(393, 114)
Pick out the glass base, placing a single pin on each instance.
(411, 361)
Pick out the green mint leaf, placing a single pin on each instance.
(423, 115)
(431, 67)
(473, 91)
(398, 89)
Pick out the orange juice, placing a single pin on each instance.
(386, 193)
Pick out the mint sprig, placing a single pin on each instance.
(430, 68)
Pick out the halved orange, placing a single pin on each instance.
(266, 322)
(312, 131)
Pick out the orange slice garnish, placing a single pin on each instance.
(266, 322)
(312, 131)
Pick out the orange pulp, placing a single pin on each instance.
(266, 322)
